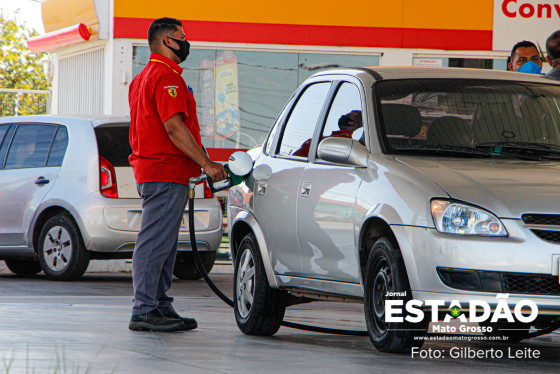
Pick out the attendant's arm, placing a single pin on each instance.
(183, 139)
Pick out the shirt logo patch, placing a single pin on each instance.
(171, 90)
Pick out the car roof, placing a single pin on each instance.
(95, 120)
(386, 73)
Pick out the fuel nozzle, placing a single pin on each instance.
(238, 167)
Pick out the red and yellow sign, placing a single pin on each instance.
(60, 14)
(438, 24)
(516, 20)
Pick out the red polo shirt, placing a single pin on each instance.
(155, 95)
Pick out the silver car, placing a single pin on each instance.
(405, 186)
(68, 195)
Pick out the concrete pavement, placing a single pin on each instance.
(73, 327)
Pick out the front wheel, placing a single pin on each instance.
(386, 279)
(259, 309)
(62, 253)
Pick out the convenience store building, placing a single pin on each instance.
(248, 56)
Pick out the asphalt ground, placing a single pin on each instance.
(81, 327)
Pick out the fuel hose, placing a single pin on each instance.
(229, 302)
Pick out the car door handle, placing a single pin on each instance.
(261, 187)
(306, 189)
(41, 181)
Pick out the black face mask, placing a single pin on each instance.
(183, 51)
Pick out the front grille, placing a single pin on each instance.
(551, 236)
(500, 282)
(541, 219)
(531, 283)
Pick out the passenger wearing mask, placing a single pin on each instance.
(525, 58)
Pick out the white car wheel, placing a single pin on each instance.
(61, 251)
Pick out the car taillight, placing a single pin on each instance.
(207, 191)
(107, 179)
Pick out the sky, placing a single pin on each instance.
(29, 12)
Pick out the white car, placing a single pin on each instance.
(68, 195)
(405, 185)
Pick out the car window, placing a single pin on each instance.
(30, 146)
(345, 115)
(113, 144)
(3, 132)
(5, 136)
(300, 126)
(272, 135)
(270, 139)
(58, 148)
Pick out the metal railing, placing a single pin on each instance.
(17, 102)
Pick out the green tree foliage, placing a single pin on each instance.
(21, 69)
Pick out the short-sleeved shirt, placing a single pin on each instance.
(155, 95)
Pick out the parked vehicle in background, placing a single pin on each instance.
(444, 189)
(68, 196)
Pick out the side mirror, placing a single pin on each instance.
(343, 151)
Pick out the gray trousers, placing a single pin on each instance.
(163, 205)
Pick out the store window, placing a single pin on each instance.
(455, 62)
(239, 94)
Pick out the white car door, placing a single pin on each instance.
(276, 198)
(327, 197)
(30, 158)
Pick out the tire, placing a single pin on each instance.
(185, 267)
(514, 331)
(62, 253)
(23, 267)
(386, 272)
(259, 309)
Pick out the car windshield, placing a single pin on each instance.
(470, 118)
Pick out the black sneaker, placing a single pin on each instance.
(188, 323)
(154, 321)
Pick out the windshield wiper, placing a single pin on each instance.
(535, 149)
(480, 152)
(447, 149)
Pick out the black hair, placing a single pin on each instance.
(160, 26)
(553, 45)
(344, 121)
(521, 44)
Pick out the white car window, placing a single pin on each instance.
(58, 148)
(345, 114)
(113, 144)
(300, 126)
(30, 146)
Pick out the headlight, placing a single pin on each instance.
(462, 219)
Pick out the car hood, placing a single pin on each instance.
(507, 188)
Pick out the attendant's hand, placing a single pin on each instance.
(216, 171)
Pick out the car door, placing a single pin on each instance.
(327, 196)
(30, 158)
(276, 197)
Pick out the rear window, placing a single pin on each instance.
(113, 144)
